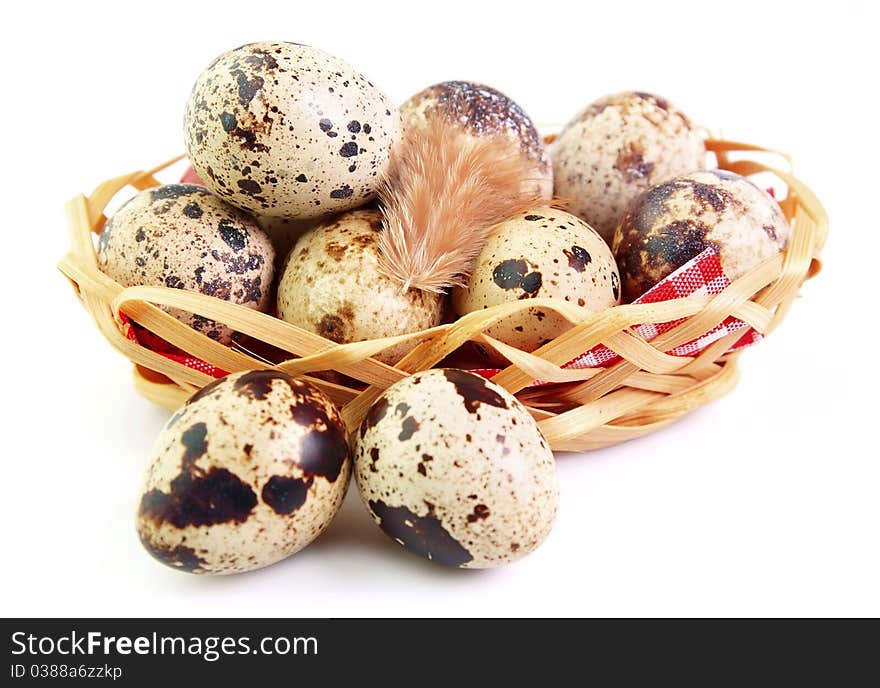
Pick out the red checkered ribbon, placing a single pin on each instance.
(156, 344)
(701, 275)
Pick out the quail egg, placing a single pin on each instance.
(618, 147)
(675, 221)
(249, 471)
(455, 469)
(182, 236)
(542, 252)
(286, 130)
(332, 286)
(483, 112)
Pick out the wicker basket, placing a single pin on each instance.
(594, 407)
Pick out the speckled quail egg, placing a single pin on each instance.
(249, 471)
(618, 147)
(483, 112)
(331, 285)
(181, 236)
(542, 252)
(287, 130)
(455, 469)
(674, 221)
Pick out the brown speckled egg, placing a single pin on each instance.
(287, 130)
(543, 252)
(455, 469)
(618, 147)
(483, 112)
(249, 471)
(332, 286)
(673, 222)
(181, 236)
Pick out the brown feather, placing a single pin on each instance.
(443, 193)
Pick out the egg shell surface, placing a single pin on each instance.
(287, 130)
(618, 147)
(454, 468)
(543, 252)
(332, 286)
(483, 111)
(182, 236)
(249, 471)
(675, 221)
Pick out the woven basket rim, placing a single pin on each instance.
(645, 390)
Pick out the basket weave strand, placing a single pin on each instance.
(590, 408)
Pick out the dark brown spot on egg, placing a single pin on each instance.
(343, 192)
(218, 288)
(174, 191)
(632, 165)
(676, 243)
(194, 441)
(578, 258)
(193, 210)
(284, 494)
(473, 389)
(198, 497)
(228, 122)
(249, 186)
(480, 512)
(408, 428)
(336, 250)
(332, 327)
(375, 415)
(533, 218)
(178, 557)
(509, 273)
(710, 195)
(257, 384)
(424, 535)
(531, 283)
(324, 449)
(247, 88)
(234, 237)
(349, 149)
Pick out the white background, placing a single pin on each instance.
(764, 503)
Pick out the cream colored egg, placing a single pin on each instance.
(455, 469)
(675, 221)
(543, 252)
(331, 285)
(182, 236)
(252, 469)
(287, 130)
(618, 147)
(484, 112)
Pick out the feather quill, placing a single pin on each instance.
(444, 191)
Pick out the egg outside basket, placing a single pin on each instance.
(595, 407)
